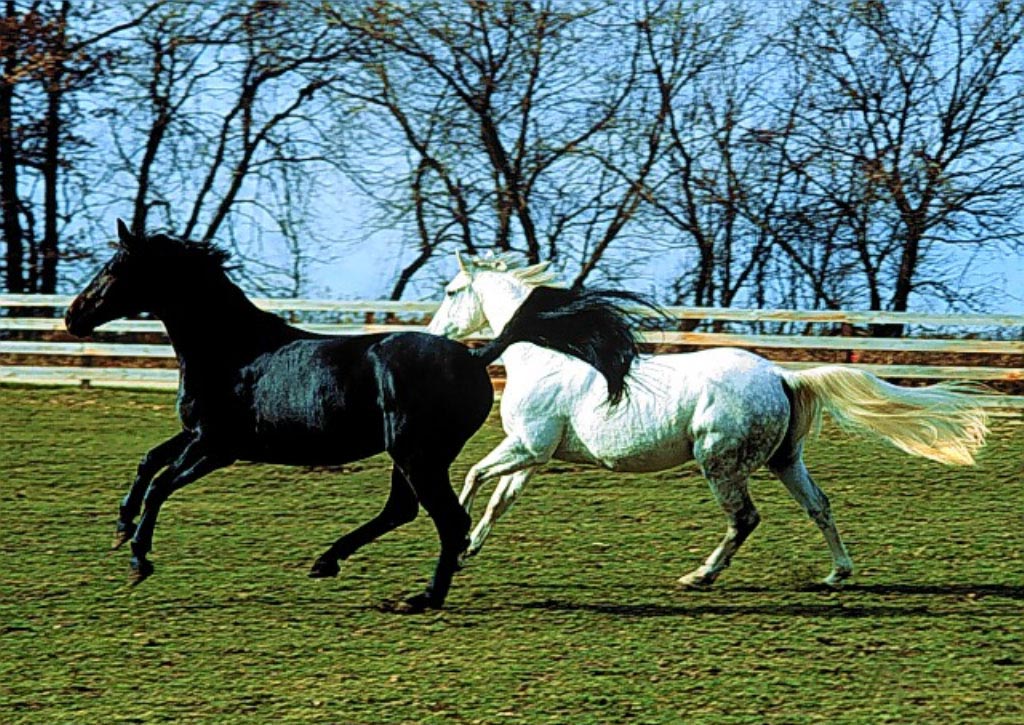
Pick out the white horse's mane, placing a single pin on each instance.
(534, 275)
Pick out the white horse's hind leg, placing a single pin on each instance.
(734, 499)
(814, 501)
(505, 494)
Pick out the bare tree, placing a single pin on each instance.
(49, 61)
(709, 180)
(218, 108)
(530, 126)
(909, 136)
(840, 156)
(10, 204)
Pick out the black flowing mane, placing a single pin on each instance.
(590, 324)
(191, 254)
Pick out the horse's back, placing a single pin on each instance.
(718, 384)
(556, 394)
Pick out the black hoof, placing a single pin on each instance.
(324, 568)
(142, 569)
(123, 533)
(413, 605)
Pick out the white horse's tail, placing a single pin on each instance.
(942, 422)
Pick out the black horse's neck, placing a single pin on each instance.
(213, 322)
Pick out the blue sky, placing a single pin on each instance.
(368, 270)
(367, 266)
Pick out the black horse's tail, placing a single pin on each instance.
(591, 325)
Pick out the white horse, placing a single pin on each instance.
(731, 410)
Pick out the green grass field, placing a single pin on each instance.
(570, 614)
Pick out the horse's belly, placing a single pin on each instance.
(310, 448)
(653, 458)
(618, 449)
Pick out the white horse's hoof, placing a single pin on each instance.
(465, 556)
(697, 579)
(836, 578)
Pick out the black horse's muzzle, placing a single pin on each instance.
(76, 319)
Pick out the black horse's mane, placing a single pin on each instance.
(199, 254)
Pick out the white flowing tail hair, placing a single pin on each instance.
(942, 422)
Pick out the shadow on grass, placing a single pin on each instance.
(1007, 591)
(834, 610)
(853, 601)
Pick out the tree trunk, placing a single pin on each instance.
(14, 277)
(904, 283)
(49, 249)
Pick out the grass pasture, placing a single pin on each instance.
(570, 615)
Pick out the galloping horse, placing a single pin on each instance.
(731, 410)
(254, 388)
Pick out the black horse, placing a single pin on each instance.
(254, 388)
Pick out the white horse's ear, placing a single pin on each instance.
(539, 268)
(536, 273)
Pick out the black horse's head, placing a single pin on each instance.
(144, 271)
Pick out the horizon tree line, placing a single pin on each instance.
(832, 154)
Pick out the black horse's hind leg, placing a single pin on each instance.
(149, 466)
(400, 508)
(192, 464)
(452, 522)
(428, 415)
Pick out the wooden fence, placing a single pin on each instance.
(29, 341)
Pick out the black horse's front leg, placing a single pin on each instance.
(195, 461)
(400, 508)
(149, 466)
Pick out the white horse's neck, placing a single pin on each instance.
(500, 296)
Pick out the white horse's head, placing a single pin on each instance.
(486, 291)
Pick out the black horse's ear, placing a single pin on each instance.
(124, 235)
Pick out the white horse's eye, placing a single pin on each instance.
(452, 292)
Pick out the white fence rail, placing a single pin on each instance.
(102, 362)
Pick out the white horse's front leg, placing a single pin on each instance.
(505, 494)
(515, 458)
(508, 456)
